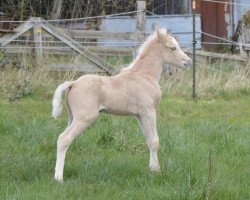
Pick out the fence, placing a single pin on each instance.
(39, 36)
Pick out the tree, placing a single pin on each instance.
(56, 10)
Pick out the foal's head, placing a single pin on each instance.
(172, 53)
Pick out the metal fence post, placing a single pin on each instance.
(194, 52)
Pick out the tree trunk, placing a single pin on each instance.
(56, 10)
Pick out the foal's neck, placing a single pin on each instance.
(151, 64)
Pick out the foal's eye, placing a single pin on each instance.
(173, 48)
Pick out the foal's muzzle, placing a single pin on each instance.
(187, 64)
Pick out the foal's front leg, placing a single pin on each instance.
(147, 121)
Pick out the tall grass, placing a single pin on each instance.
(213, 79)
(218, 79)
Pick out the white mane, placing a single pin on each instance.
(142, 47)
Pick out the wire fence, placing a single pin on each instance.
(77, 19)
(118, 43)
(227, 41)
(228, 3)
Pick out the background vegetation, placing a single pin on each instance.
(204, 144)
(84, 8)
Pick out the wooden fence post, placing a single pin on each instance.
(37, 30)
(244, 38)
(140, 22)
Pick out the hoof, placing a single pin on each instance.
(58, 180)
(155, 168)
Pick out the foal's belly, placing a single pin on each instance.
(129, 110)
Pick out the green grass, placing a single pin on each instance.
(111, 160)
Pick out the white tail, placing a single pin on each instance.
(57, 99)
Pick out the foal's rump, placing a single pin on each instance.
(81, 92)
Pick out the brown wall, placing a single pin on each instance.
(213, 20)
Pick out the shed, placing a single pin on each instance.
(220, 18)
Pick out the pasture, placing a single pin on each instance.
(204, 144)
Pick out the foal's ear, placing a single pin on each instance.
(160, 35)
(158, 32)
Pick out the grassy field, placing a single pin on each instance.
(204, 144)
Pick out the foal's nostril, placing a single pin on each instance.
(188, 63)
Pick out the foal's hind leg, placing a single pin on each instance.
(66, 138)
(147, 121)
(69, 111)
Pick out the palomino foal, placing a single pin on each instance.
(134, 91)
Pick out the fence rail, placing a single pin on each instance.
(56, 50)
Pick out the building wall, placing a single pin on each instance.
(215, 20)
(239, 10)
(180, 26)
